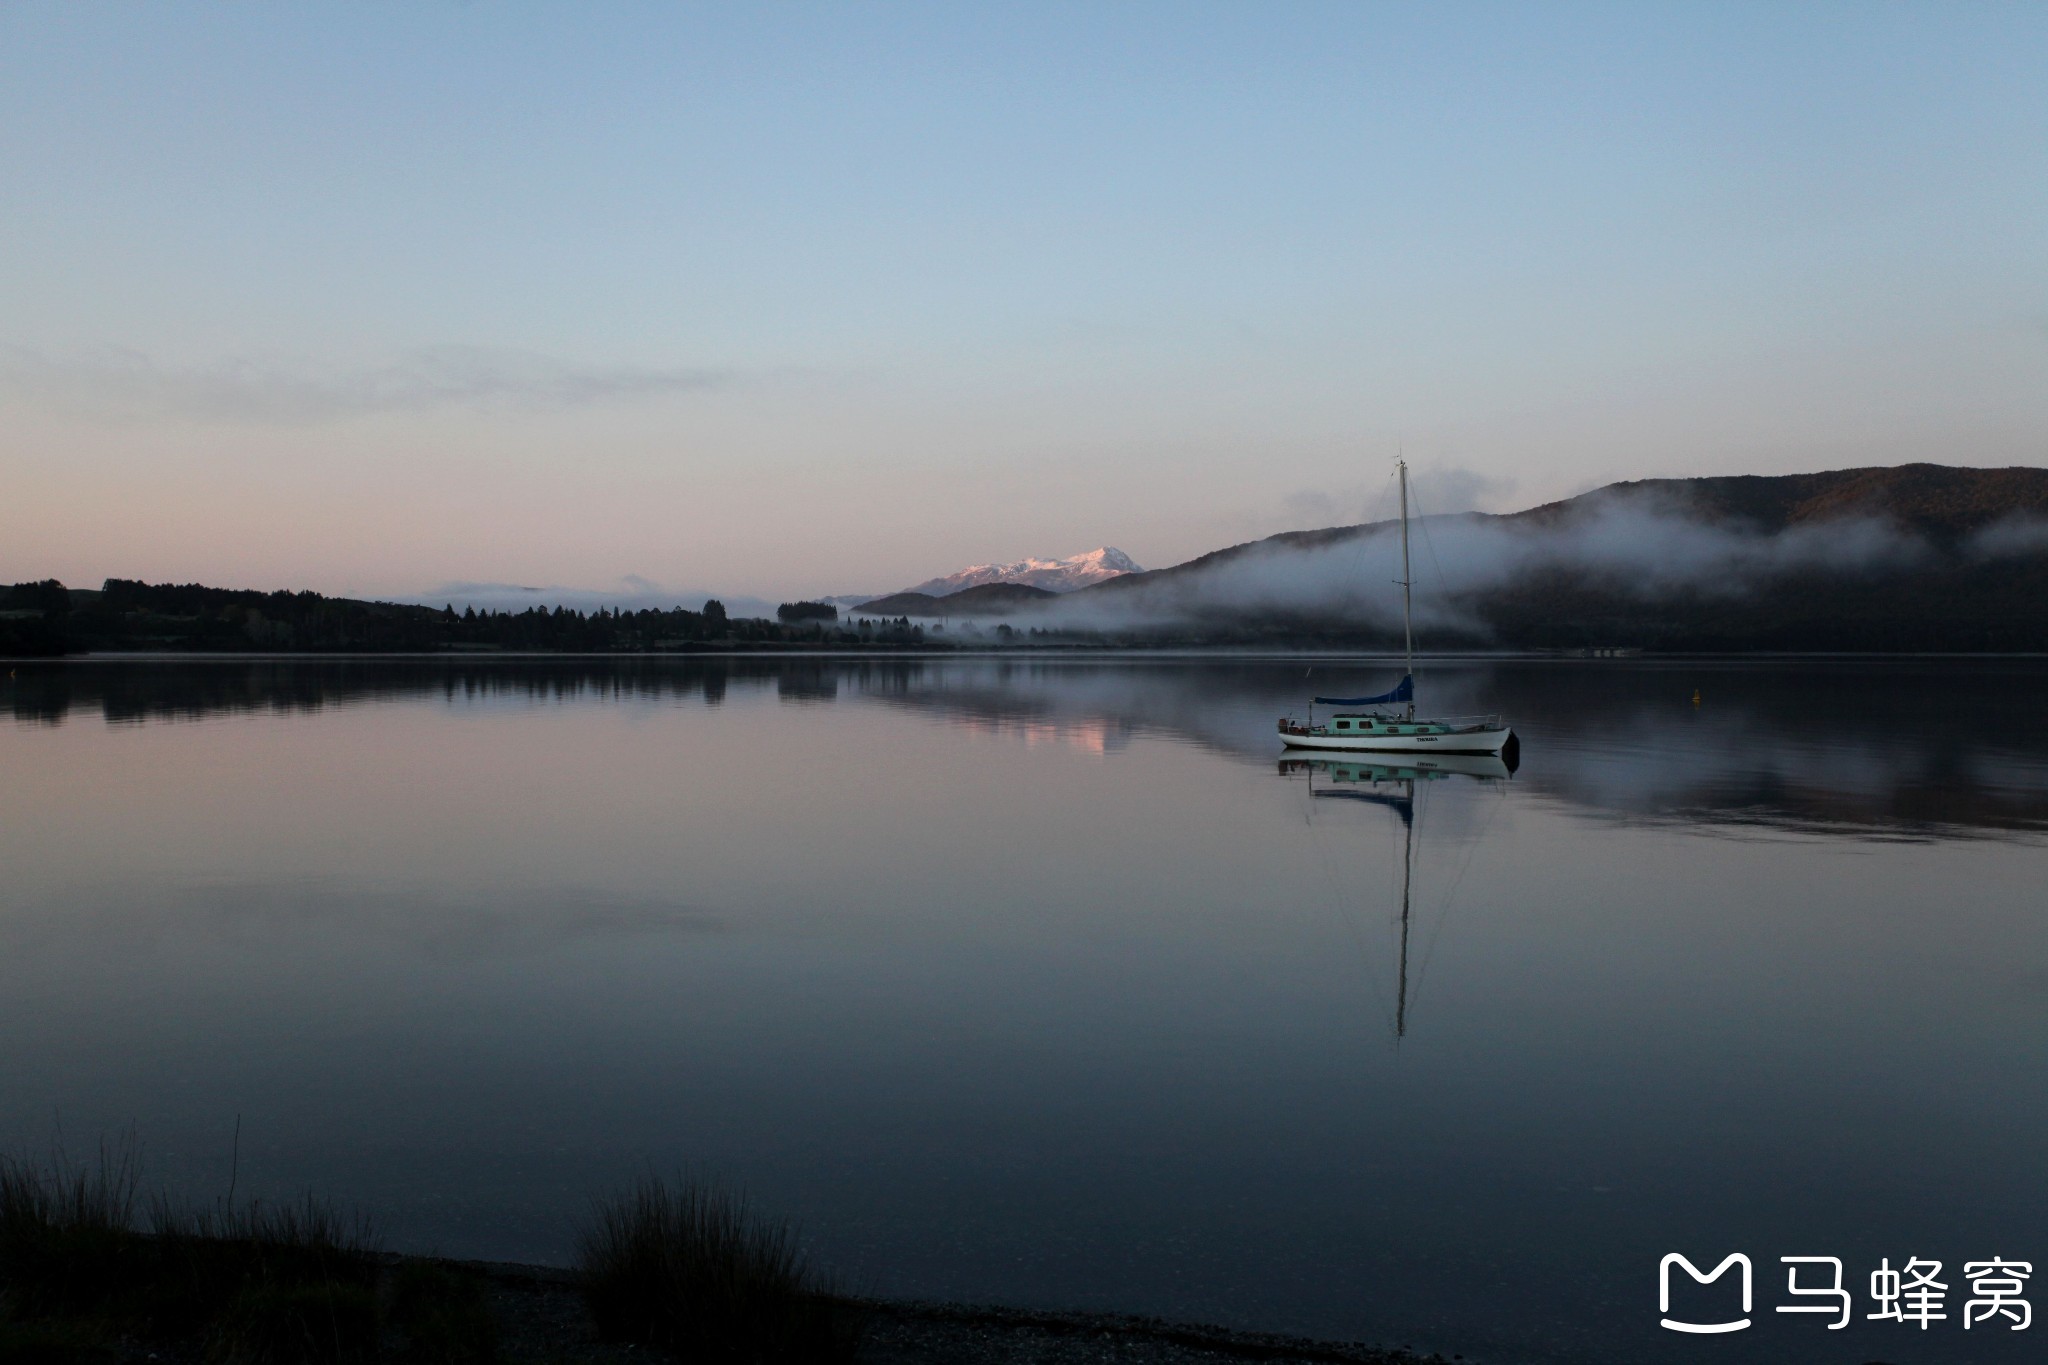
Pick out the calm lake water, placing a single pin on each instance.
(1045, 981)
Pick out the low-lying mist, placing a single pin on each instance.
(1639, 548)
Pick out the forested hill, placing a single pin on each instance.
(1941, 503)
(985, 599)
(1946, 504)
(46, 618)
(1917, 558)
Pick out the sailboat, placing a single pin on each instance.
(1392, 725)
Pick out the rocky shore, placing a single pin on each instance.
(542, 1318)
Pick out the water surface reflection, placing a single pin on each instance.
(1056, 982)
(1893, 748)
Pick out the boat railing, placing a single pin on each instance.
(1290, 725)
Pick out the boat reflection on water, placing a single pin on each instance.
(1393, 786)
(1346, 776)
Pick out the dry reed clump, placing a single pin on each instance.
(267, 1284)
(67, 1234)
(692, 1270)
(260, 1284)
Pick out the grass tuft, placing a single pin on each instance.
(283, 1284)
(681, 1268)
(67, 1232)
(692, 1270)
(65, 1343)
(267, 1284)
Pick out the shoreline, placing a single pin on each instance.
(543, 1306)
(539, 1315)
(1247, 653)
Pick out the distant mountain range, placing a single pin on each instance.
(1053, 575)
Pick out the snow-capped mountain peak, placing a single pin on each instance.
(1054, 575)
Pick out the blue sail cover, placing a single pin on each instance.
(1404, 692)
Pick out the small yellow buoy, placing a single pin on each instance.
(1695, 696)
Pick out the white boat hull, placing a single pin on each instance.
(1489, 739)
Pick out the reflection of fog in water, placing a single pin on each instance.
(1743, 769)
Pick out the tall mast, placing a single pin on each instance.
(1407, 592)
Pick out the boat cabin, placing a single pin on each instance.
(1366, 725)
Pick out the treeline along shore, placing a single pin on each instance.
(46, 618)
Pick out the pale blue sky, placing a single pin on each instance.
(834, 298)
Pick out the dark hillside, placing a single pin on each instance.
(1942, 503)
(1936, 589)
(1285, 540)
(987, 599)
(1963, 607)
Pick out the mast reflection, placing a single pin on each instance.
(1392, 786)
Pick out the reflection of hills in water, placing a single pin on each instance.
(1885, 749)
(154, 690)
(1865, 748)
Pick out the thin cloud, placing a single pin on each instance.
(1437, 488)
(1310, 507)
(123, 384)
(1454, 488)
